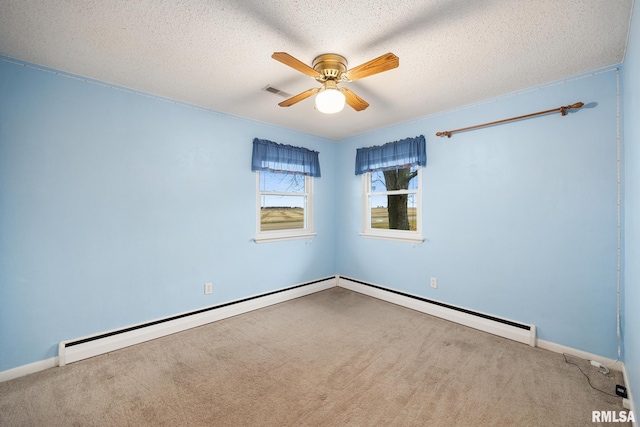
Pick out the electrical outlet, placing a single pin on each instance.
(208, 288)
(434, 282)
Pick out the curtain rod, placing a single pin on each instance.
(562, 110)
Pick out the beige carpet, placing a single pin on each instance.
(335, 358)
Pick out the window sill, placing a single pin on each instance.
(281, 237)
(393, 237)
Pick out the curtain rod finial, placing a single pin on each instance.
(563, 110)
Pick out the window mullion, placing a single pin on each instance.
(280, 193)
(393, 192)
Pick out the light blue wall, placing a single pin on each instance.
(520, 220)
(117, 207)
(631, 93)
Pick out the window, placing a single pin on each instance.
(392, 189)
(285, 206)
(284, 190)
(392, 204)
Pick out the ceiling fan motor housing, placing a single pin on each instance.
(330, 66)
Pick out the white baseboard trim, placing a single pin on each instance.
(506, 328)
(557, 348)
(82, 348)
(31, 368)
(72, 353)
(69, 354)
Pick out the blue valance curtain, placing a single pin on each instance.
(393, 155)
(274, 157)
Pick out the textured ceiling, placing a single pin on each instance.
(217, 54)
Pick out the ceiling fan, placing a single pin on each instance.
(330, 69)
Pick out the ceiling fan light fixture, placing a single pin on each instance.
(330, 100)
(331, 69)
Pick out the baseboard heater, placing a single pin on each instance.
(82, 348)
(516, 331)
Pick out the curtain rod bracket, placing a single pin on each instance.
(563, 111)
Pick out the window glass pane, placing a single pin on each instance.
(282, 212)
(399, 179)
(394, 212)
(282, 182)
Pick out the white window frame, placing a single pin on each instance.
(398, 235)
(281, 235)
